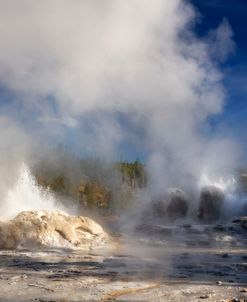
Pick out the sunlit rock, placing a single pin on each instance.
(211, 203)
(51, 229)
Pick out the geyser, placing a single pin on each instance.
(25, 194)
(99, 75)
(172, 205)
(211, 203)
(39, 224)
(178, 204)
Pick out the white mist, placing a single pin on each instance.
(26, 195)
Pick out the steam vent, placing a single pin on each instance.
(177, 204)
(210, 204)
(172, 205)
(35, 229)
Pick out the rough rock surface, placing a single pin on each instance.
(242, 221)
(172, 205)
(177, 203)
(210, 204)
(51, 229)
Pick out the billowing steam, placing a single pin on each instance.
(107, 72)
(26, 194)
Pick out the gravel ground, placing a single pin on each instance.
(152, 268)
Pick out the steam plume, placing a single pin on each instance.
(75, 67)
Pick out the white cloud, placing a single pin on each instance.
(137, 57)
(221, 41)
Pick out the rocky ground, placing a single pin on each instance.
(168, 263)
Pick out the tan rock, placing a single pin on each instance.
(51, 229)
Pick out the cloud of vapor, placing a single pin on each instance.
(78, 64)
(222, 44)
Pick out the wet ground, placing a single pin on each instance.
(159, 263)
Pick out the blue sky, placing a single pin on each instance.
(66, 132)
(235, 68)
(233, 121)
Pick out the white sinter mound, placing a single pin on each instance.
(51, 229)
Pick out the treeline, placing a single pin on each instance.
(92, 183)
(133, 173)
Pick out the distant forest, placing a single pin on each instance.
(91, 183)
(94, 183)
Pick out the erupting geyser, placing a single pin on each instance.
(25, 195)
(219, 201)
(131, 76)
(34, 227)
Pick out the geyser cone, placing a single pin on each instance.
(178, 203)
(211, 203)
(53, 229)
